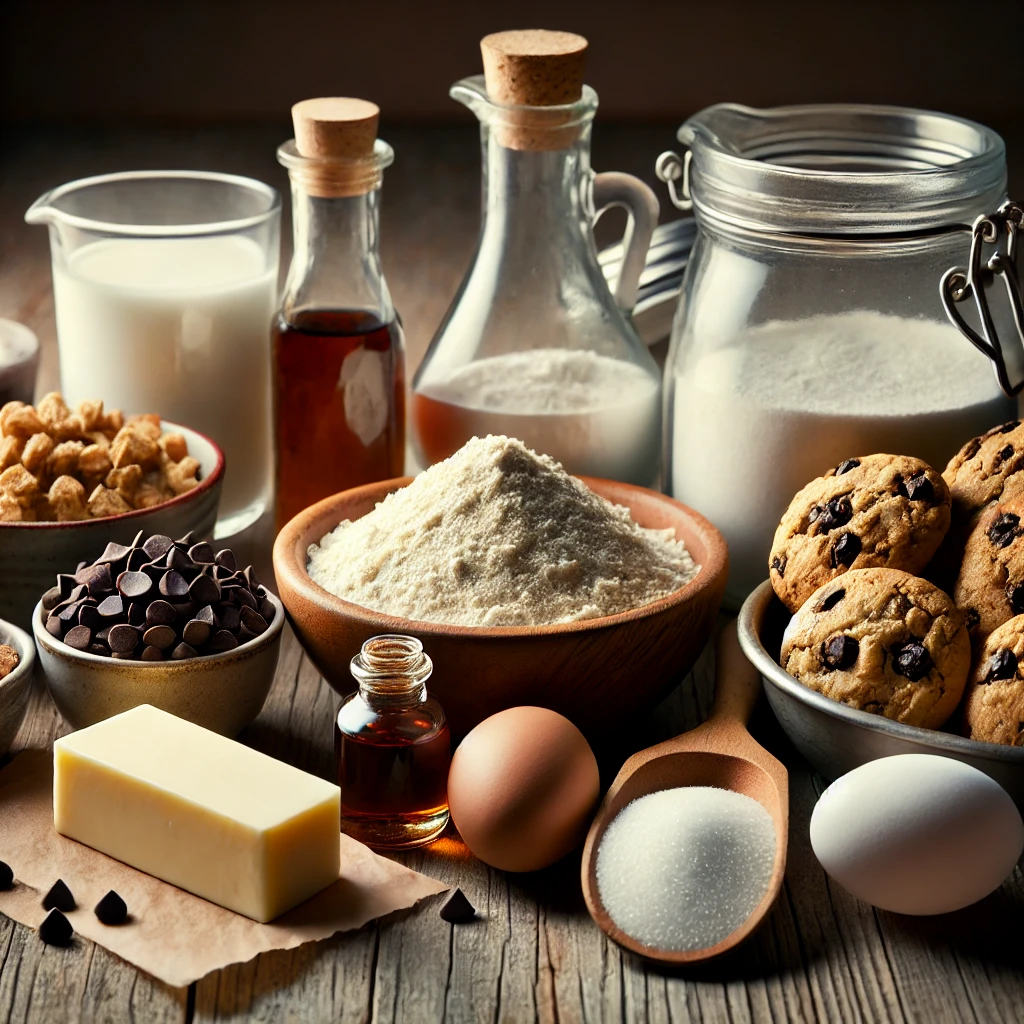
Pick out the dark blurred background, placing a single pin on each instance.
(212, 60)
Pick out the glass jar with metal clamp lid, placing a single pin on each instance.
(819, 315)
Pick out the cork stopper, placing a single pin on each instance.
(535, 68)
(336, 135)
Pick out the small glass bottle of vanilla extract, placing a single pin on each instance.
(392, 748)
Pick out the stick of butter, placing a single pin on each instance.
(198, 810)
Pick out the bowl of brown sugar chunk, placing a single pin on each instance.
(598, 672)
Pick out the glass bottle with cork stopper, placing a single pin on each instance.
(535, 344)
(392, 748)
(339, 355)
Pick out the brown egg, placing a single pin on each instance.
(522, 788)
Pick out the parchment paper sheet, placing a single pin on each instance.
(175, 936)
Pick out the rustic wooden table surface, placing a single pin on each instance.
(534, 953)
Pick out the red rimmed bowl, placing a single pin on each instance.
(31, 554)
(597, 672)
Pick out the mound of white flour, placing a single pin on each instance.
(497, 535)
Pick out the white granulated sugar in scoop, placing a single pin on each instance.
(682, 869)
(498, 535)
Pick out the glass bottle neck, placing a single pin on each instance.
(336, 256)
(536, 195)
(392, 671)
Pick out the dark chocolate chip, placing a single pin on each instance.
(134, 584)
(137, 613)
(244, 635)
(221, 641)
(917, 488)
(187, 541)
(67, 583)
(55, 625)
(838, 512)
(179, 560)
(971, 449)
(457, 909)
(152, 654)
(157, 546)
(1003, 665)
(78, 637)
(228, 617)
(1007, 427)
(111, 909)
(250, 577)
(162, 637)
(245, 598)
(183, 651)
(51, 598)
(113, 553)
(911, 660)
(89, 615)
(196, 633)
(253, 621)
(1004, 530)
(123, 639)
(6, 876)
(111, 607)
(845, 550)
(154, 570)
(174, 584)
(845, 467)
(205, 614)
(59, 897)
(100, 649)
(778, 564)
(973, 618)
(56, 930)
(204, 590)
(226, 558)
(829, 601)
(184, 609)
(1005, 453)
(69, 613)
(136, 560)
(840, 652)
(1015, 595)
(268, 611)
(97, 579)
(202, 552)
(160, 613)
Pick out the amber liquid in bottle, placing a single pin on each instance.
(392, 748)
(339, 393)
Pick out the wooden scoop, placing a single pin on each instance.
(719, 753)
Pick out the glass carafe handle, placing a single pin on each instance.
(612, 188)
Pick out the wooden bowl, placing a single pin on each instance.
(597, 672)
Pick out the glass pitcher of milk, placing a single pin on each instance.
(165, 284)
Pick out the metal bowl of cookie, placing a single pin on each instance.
(222, 692)
(31, 554)
(16, 686)
(836, 738)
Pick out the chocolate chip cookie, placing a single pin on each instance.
(990, 586)
(994, 701)
(885, 511)
(988, 468)
(882, 641)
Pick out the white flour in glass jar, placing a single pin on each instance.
(753, 422)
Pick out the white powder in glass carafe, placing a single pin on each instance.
(752, 422)
(596, 415)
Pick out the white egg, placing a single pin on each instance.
(917, 833)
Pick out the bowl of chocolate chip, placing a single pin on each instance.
(73, 480)
(172, 623)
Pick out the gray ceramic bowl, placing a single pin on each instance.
(15, 687)
(33, 553)
(222, 692)
(836, 738)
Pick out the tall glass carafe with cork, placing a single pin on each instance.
(339, 355)
(535, 345)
